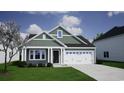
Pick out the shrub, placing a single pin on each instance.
(22, 64)
(40, 65)
(15, 63)
(99, 62)
(32, 65)
(49, 65)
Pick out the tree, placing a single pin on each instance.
(10, 39)
(97, 36)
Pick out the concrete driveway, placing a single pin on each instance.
(101, 72)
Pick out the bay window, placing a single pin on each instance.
(37, 54)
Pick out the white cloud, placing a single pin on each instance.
(34, 29)
(47, 12)
(70, 21)
(90, 40)
(112, 13)
(72, 24)
(23, 35)
(74, 30)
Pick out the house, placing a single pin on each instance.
(110, 46)
(58, 46)
(2, 55)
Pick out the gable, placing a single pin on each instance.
(43, 39)
(41, 36)
(68, 40)
(54, 32)
(67, 37)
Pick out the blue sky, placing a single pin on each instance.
(86, 23)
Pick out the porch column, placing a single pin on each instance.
(22, 55)
(61, 61)
(25, 54)
(51, 55)
(48, 55)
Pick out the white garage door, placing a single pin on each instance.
(78, 57)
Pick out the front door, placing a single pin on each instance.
(55, 56)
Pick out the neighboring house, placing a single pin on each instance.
(2, 57)
(110, 46)
(58, 46)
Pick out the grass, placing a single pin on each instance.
(43, 74)
(112, 63)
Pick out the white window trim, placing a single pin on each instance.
(44, 36)
(40, 55)
(61, 34)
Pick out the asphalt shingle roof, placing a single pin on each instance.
(113, 32)
(74, 45)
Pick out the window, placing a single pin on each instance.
(37, 54)
(73, 52)
(66, 52)
(31, 54)
(90, 52)
(80, 52)
(77, 52)
(43, 55)
(59, 34)
(106, 54)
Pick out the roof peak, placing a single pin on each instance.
(117, 30)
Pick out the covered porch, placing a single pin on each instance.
(43, 55)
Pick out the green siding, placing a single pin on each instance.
(69, 39)
(59, 28)
(43, 43)
(41, 36)
(65, 39)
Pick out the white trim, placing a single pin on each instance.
(25, 54)
(48, 55)
(81, 48)
(51, 55)
(58, 33)
(41, 47)
(49, 36)
(42, 39)
(22, 55)
(34, 53)
(58, 41)
(63, 35)
(66, 31)
(74, 35)
(61, 54)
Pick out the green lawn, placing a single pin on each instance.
(43, 74)
(112, 63)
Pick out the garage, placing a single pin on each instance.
(79, 56)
